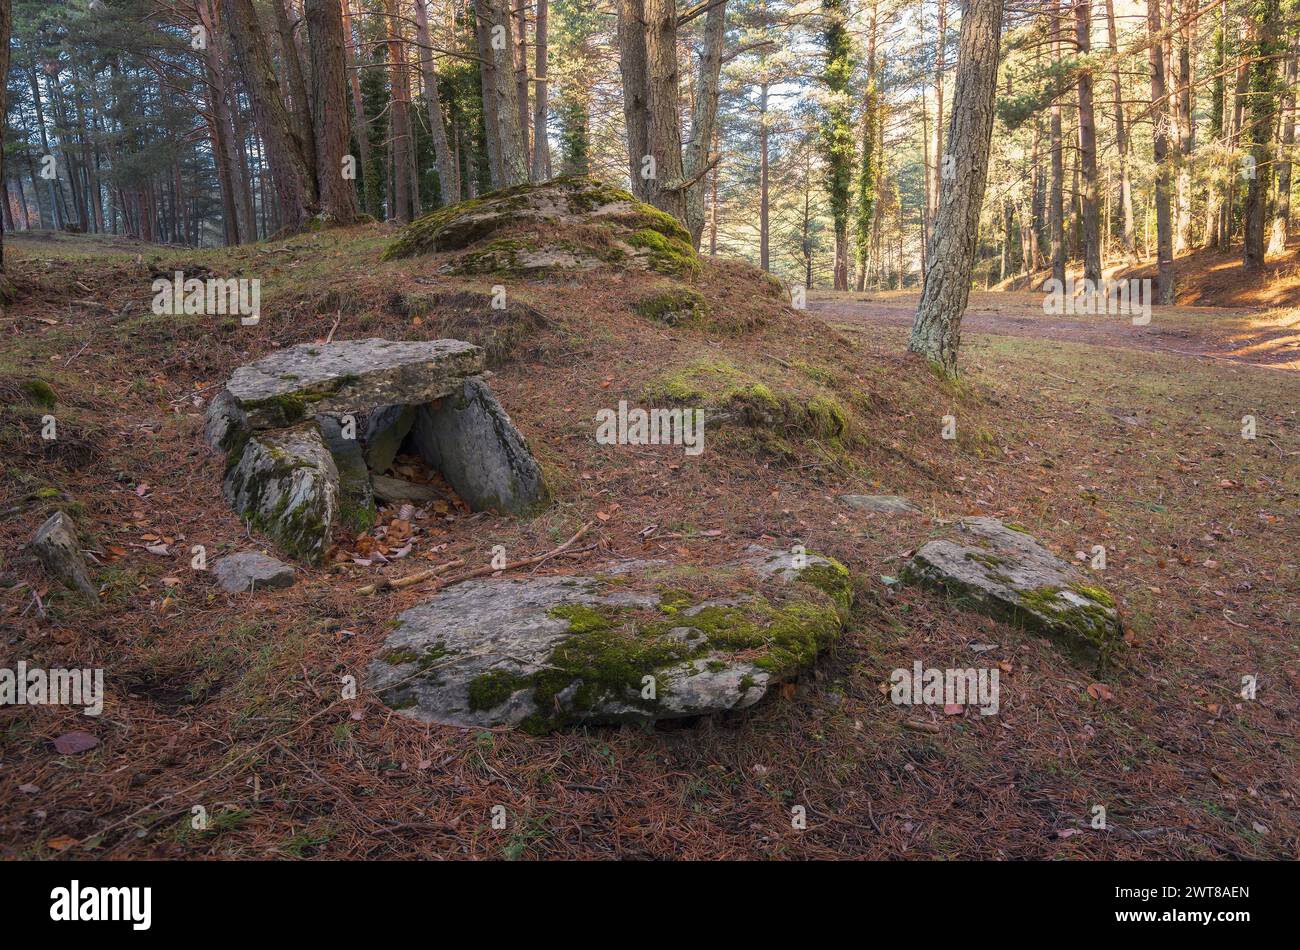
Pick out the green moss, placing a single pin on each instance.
(1091, 623)
(831, 578)
(491, 689)
(680, 306)
(721, 387)
(667, 254)
(495, 257)
(40, 392)
(1097, 594)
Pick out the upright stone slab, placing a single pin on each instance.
(356, 495)
(386, 429)
(296, 383)
(286, 484)
(1005, 573)
(470, 439)
(626, 645)
(57, 548)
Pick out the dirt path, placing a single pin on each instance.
(1240, 336)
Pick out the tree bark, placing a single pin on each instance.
(1160, 124)
(936, 331)
(696, 157)
(1087, 148)
(7, 292)
(665, 191)
(338, 195)
(448, 172)
(541, 139)
(399, 123)
(636, 94)
(507, 153)
(1282, 209)
(287, 154)
(1263, 99)
(1056, 196)
(1121, 142)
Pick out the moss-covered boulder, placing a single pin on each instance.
(777, 413)
(1005, 573)
(642, 642)
(570, 223)
(286, 485)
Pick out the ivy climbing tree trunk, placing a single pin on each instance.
(936, 330)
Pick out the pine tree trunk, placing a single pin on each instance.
(360, 124)
(1182, 109)
(936, 331)
(338, 195)
(636, 94)
(1259, 126)
(1087, 149)
(1056, 198)
(507, 152)
(399, 124)
(541, 140)
(1282, 210)
(286, 154)
(696, 155)
(1160, 123)
(665, 190)
(7, 292)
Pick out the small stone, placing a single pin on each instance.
(57, 548)
(249, 570)
(885, 504)
(398, 491)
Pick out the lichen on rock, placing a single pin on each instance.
(568, 223)
(1004, 572)
(629, 644)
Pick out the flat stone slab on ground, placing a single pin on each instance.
(1007, 574)
(629, 644)
(887, 504)
(249, 570)
(295, 383)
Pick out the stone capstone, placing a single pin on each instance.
(626, 644)
(298, 382)
(1003, 572)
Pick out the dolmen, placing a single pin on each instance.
(307, 429)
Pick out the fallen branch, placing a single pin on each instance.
(477, 572)
(390, 584)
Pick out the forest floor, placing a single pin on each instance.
(1266, 337)
(231, 702)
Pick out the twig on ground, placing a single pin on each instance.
(477, 572)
